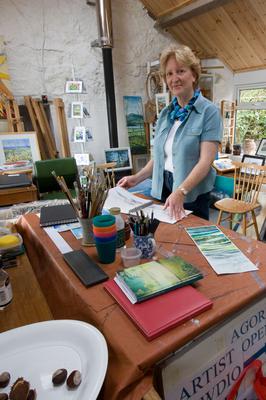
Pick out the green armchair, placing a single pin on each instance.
(46, 184)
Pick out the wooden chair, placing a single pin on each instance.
(248, 179)
(108, 170)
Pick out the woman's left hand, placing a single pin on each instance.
(175, 203)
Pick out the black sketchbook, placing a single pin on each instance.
(56, 215)
(14, 181)
(85, 268)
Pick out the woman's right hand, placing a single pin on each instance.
(128, 181)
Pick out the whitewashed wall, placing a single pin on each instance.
(49, 40)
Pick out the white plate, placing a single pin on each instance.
(35, 351)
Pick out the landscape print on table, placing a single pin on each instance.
(221, 253)
(17, 150)
(135, 124)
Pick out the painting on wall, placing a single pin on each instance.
(135, 124)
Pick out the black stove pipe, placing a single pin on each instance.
(110, 95)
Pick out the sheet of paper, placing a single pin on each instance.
(60, 243)
(222, 254)
(119, 197)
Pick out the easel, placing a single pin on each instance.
(14, 121)
(62, 126)
(41, 126)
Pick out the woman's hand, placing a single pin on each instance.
(127, 181)
(175, 203)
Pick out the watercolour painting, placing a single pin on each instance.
(79, 134)
(77, 109)
(121, 156)
(16, 147)
(135, 124)
(221, 253)
(74, 87)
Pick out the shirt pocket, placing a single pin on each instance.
(194, 132)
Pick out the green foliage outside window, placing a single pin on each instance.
(251, 123)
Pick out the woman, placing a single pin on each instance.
(186, 140)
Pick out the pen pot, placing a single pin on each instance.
(146, 244)
(87, 233)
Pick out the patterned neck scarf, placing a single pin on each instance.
(181, 113)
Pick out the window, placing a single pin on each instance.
(250, 112)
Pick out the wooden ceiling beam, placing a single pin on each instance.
(191, 10)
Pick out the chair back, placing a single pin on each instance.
(248, 179)
(107, 169)
(65, 167)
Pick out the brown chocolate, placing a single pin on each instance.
(4, 379)
(59, 376)
(74, 379)
(3, 396)
(20, 390)
(32, 395)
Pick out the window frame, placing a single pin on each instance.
(249, 106)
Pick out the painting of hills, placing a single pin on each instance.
(135, 124)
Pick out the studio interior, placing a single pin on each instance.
(133, 199)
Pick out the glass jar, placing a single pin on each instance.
(120, 226)
(6, 294)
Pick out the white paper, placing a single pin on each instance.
(222, 254)
(119, 197)
(60, 243)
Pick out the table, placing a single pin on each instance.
(28, 305)
(18, 195)
(131, 357)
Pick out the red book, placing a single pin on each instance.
(161, 313)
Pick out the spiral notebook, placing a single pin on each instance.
(56, 215)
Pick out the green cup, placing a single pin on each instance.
(106, 251)
(103, 221)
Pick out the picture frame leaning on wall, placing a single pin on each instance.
(18, 147)
(261, 149)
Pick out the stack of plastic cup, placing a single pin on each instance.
(104, 232)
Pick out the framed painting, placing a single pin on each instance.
(19, 147)
(135, 124)
(80, 134)
(261, 150)
(121, 156)
(162, 100)
(249, 159)
(74, 87)
(77, 109)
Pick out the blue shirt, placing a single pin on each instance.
(204, 124)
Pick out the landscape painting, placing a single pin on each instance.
(18, 147)
(135, 124)
(17, 150)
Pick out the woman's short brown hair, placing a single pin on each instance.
(183, 55)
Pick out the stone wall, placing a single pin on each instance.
(49, 41)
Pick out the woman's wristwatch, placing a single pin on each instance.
(183, 190)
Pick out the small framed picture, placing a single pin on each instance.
(82, 159)
(73, 86)
(121, 156)
(248, 159)
(80, 134)
(161, 100)
(77, 109)
(261, 150)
